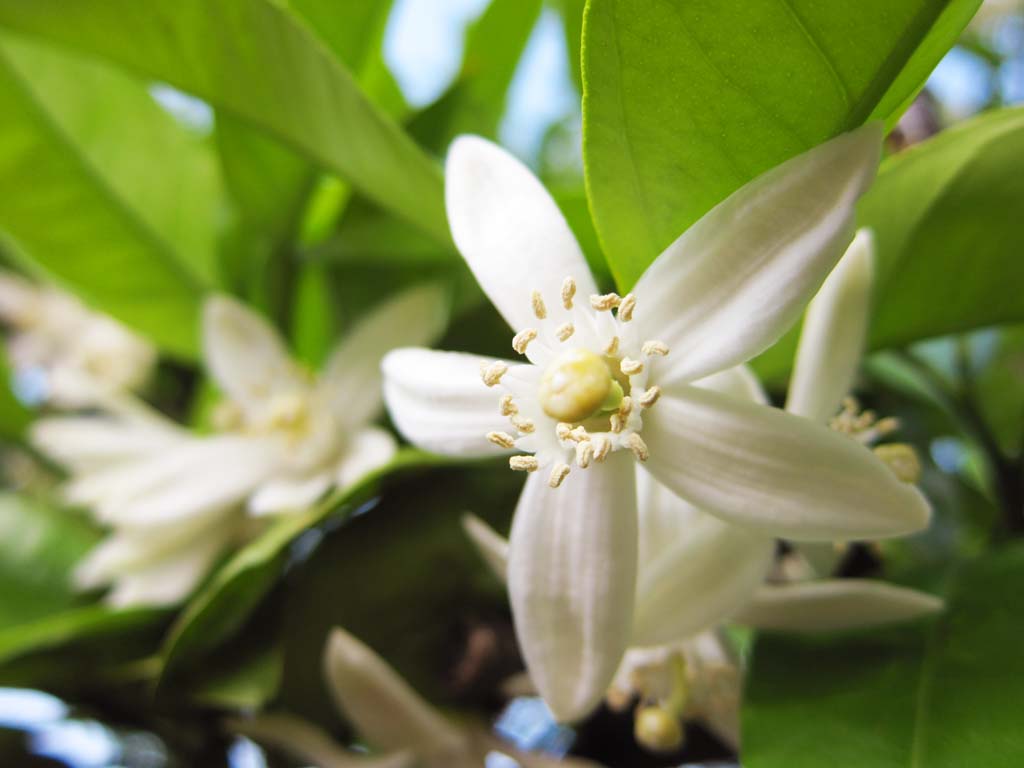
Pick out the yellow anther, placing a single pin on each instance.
(636, 444)
(491, 374)
(650, 397)
(523, 463)
(584, 454)
(631, 367)
(525, 426)
(605, 303)
(655, 347)
(626, 307)
(564, 331)
(616, 423)
(657, 730)
(626, 407)
(568, 291)
(558, 473)
(288, 411)
(901, 459)
(563, 431)
(575, 386)
(538, 305)
(502, 439)
(613, 346)
(522, 339)
(602, 447)
(508, 408)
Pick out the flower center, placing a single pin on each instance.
(578, 385)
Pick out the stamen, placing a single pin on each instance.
(655, 347)
(631, 367)
(613, 347)
(626, 307)
(525, 426)
(563, 431)
(579, 434)
(650, 397)
(584, 454)
(605, 303)
(508, 408)
(617, 422)
(602, 447)
(626, 407)
(636, 444)
(502, 439)
(568, 291)
(558, 473)
(492, 373)
(564, 331)
(901, 459)
(539, 309)
(522, 339)
(523, 463)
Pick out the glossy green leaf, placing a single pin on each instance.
(254, 60)
(67, 223)
(944, 693)
(686, 102)
(949, 236)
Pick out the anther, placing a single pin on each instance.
(655, 347)
(492, 373)
(508, 408)
(538, 305)
(568, 291)
(605, 303)
(636, 444)
(616, 422)
(526, 426)
(626, 307)
(584, 454)
(613, 346)
(558, 473)
(631, 367)
(626, 407)
(563, 431)
(502, 439)
(523, 463)
(650, 397)
(522, 339)
(602, 447)
(564, 331)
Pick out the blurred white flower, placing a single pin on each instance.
(78, 351)
(396, 723)
(177, 500)
(600, 391)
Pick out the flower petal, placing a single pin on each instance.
(351, 380)
(572, 581)
(702, 574)
(509, 230)
(832, 339)
(493, 548)
(90, 442)
(777, 473)
(439, 403)
(289, 494)
(385, 710)
(738, 278)
(369, 450)
(738, 381)
(245, 354)
(836, 604)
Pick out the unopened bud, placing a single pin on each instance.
(657, 730)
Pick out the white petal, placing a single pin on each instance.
(778, 473)
(699, 578)
(384, 709)
(509, 230)
(572, 576)
(832, 339)
(351, 380)
(369, 450)
(664, 518)
(81, 442)
(310, 744)
(244, 353)
(439, 403)
(738, 381)
(493, 548)
(738, 278)
(835, 605)
(289, 494)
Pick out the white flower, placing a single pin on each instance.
(77, 351)
(601, 390)
(176, 500)
(390, 717)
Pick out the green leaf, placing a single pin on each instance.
(571, 12)
(67, 223)
(254, 60)
(940, 694)
(14, 417)
(949, 236)
(221, 607)
(686, 102)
